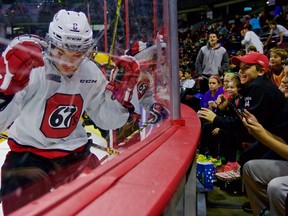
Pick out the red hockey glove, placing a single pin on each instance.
(157, 113)
(123, 80)
(21, 55)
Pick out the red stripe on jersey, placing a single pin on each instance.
(47, 153)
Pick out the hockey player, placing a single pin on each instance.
(42, 98)
(143, 94)
(144, 91)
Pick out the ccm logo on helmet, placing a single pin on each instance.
(88, 81)
(74, 38)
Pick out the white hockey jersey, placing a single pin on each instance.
(46, 113)
(143, 93)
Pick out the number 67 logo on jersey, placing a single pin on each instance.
(61, 115)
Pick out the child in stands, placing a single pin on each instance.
(284, 82)
(181, 77)
(188, 82)
(210, 96)
(208, 131)
(227, 78)
(227, 140)
(277, 60)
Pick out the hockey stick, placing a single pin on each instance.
(110, 151)
(2, 135)
(128, 138)
(108, 65)
(103, 159)
(119, 3)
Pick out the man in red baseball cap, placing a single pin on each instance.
(252, 65)
(252, 58)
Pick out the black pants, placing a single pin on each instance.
(26, 176)
(222, 144)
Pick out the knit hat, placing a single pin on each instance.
(252, 58)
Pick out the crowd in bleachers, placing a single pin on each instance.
(256, 96)
(229, 33)
(16, 9)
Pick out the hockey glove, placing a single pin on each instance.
(123, 80)
(21, 55)
(157, 113)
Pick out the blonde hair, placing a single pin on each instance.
(230, 75)
(280, 52)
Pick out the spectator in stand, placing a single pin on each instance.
(284, 82)
(251, 49)
(187, 86)
(188, 82)
(188, 40)
(208, 144)
(210, 96)
(181, 77)
(250, 38)
(277, 12)
(222, 30)
(277, 61)
(280, 31)
(186, 62)
(228, 78)
(193, 51)
(262, 20)
(254, 22)
(246, 19)
(223, 137)
(234, 68)
(258, 94)
(265, 180)
(233, 88)
(212, 59)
